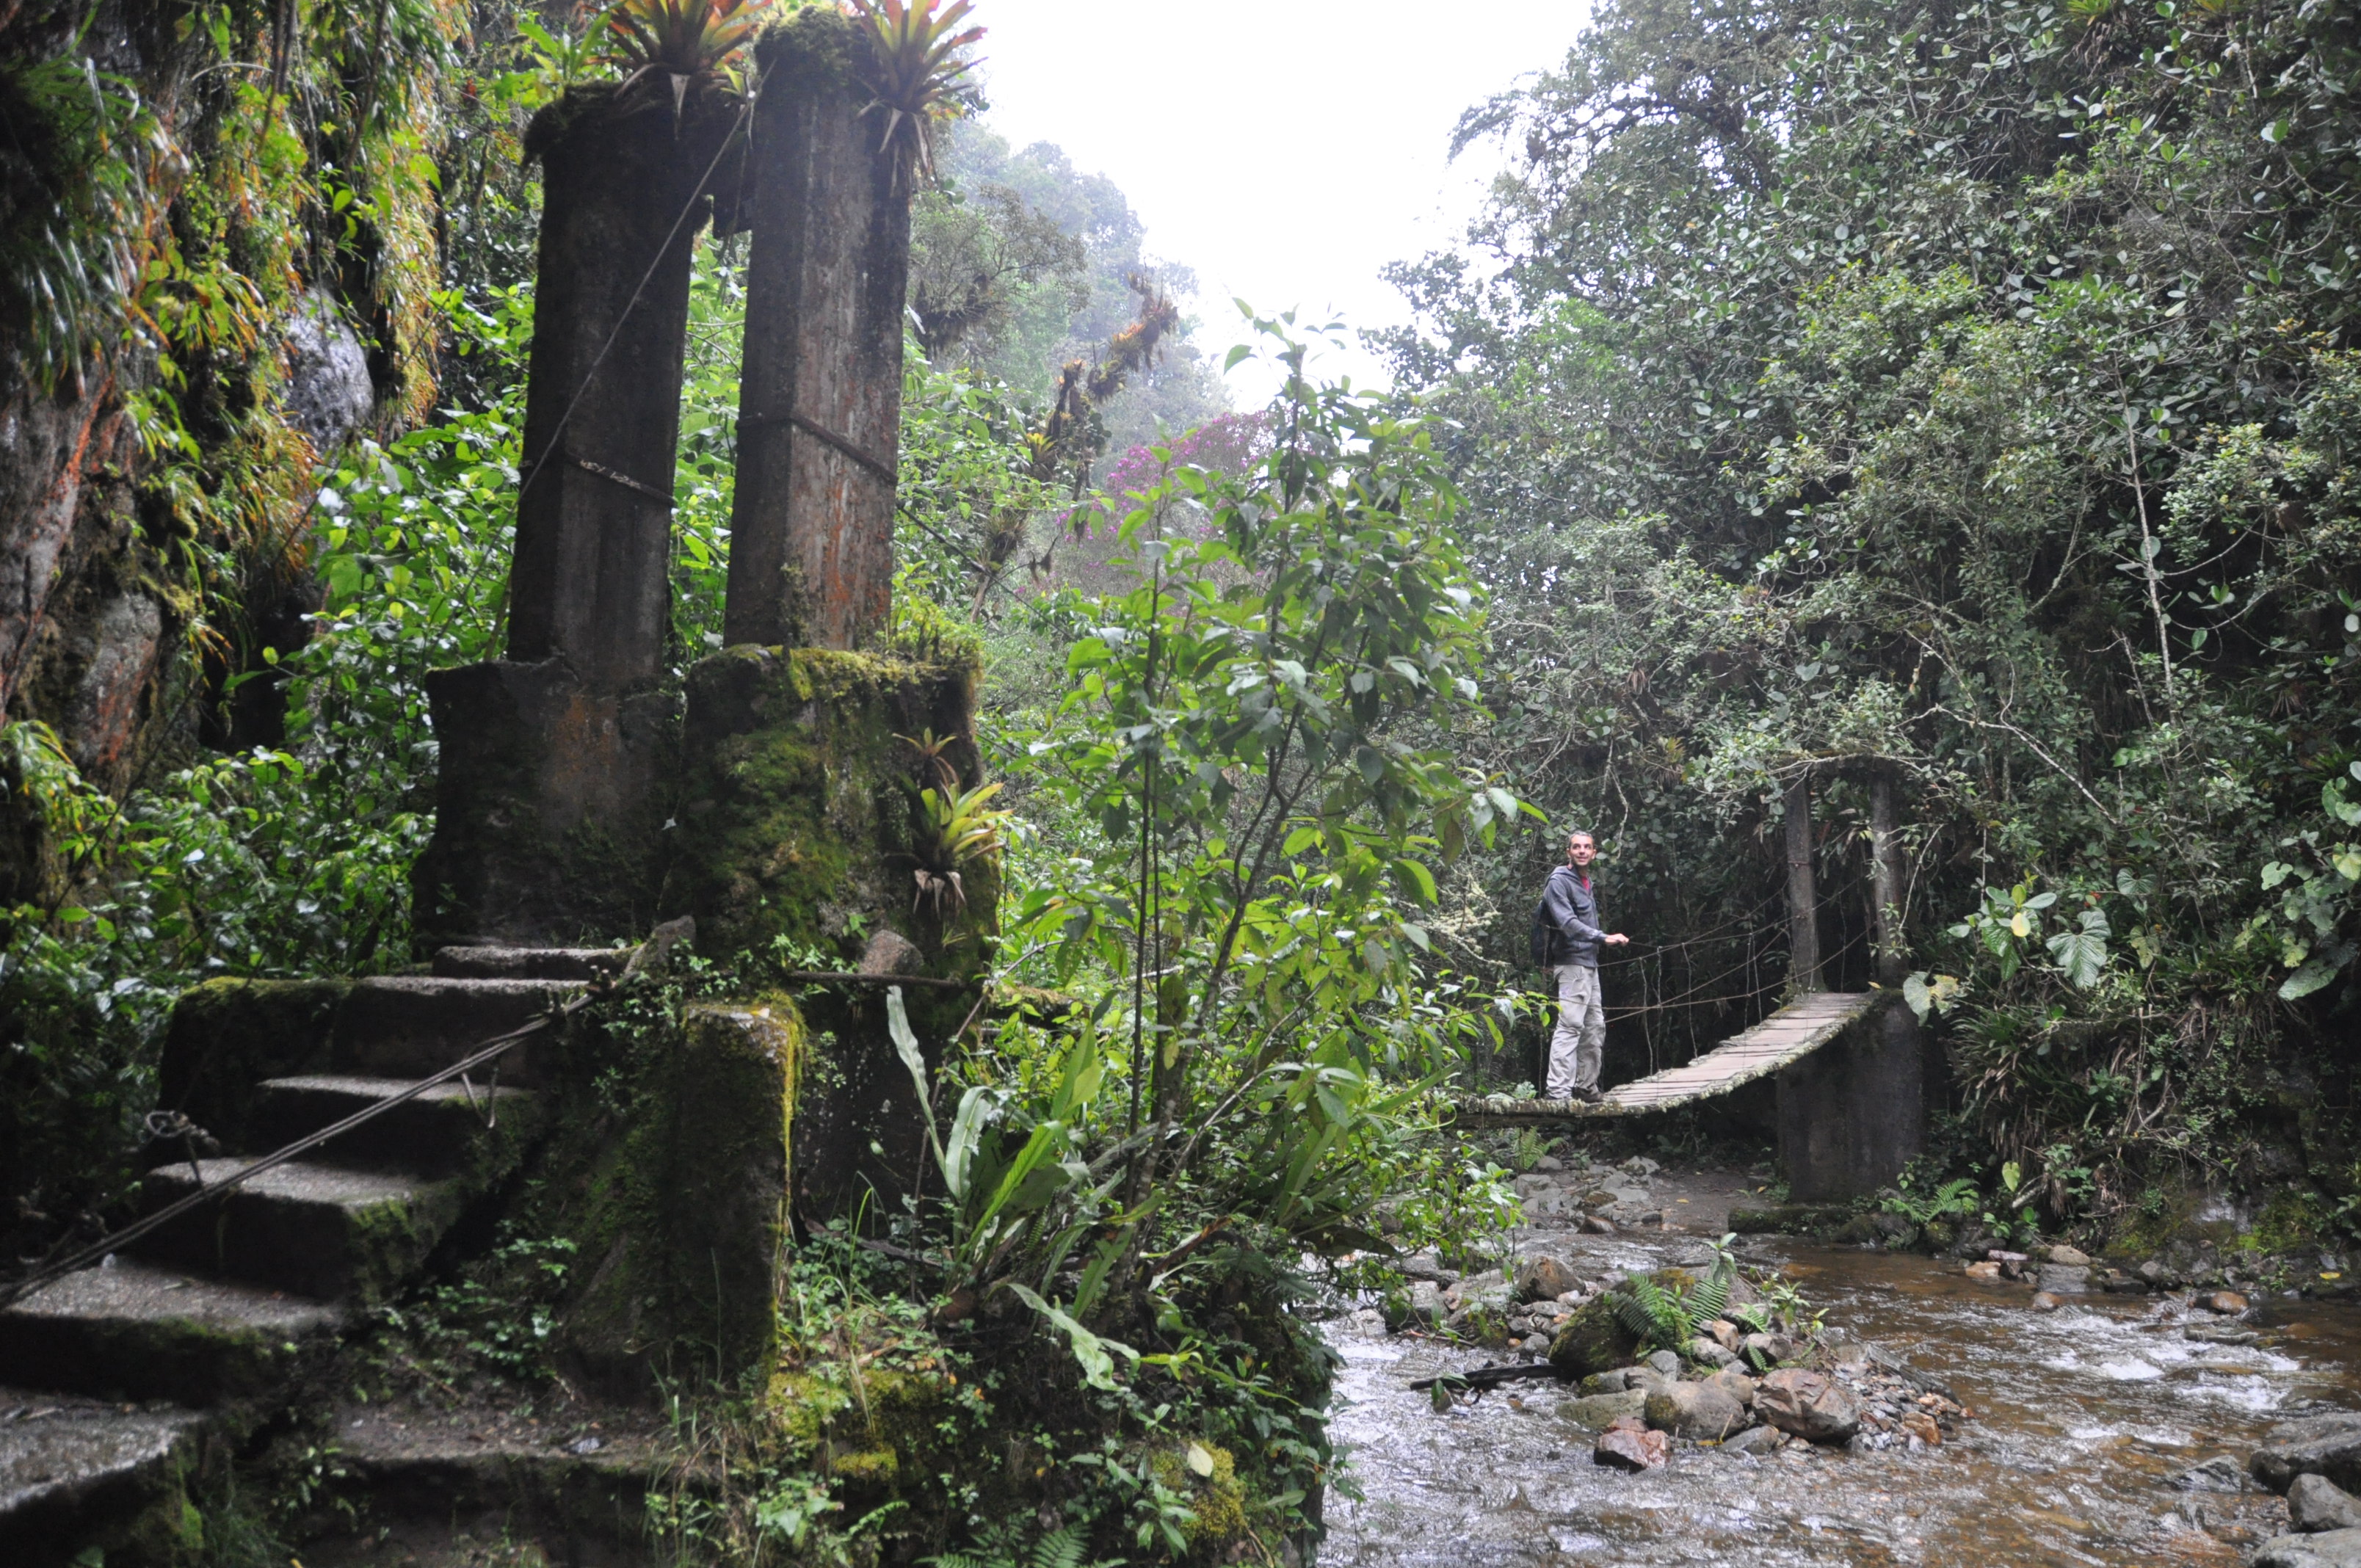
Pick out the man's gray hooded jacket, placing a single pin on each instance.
(1565, 925)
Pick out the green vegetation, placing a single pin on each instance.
(1964, 395)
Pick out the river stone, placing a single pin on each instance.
(2229, 1303)
(2068, 1256)
(2219, 1474)
(1755, 1440)
(2045, 1301)
(1616, 1379)
(2321, 1445)
(1599, 1412)
(1628, 1445)
(2315, 1504)
(1421, 1307)
(2065, 1278)
(1706, 1352)
(1808, 1404)
(2331, 1549)
(1492, 1295)
(1593, 1339)
(1739, 1385)
(1545, 1279)
(1703, 1411)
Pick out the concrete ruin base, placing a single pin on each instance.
(1853, 1114)
(552, 800)
(801, 840)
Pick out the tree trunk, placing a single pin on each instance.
(602, 405)
(1803, 898)
(811, 529)
(1888, 869)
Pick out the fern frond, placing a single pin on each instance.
(1061, 1548)
(1638, 1320)
(1705, 1303)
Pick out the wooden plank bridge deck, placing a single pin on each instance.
(1794, 1032)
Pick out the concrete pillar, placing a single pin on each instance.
(1850, 1115)
(602, 406)
(1803, 897)
(811, 531)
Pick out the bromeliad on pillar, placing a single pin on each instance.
(839, 132)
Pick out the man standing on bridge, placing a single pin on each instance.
(1567, 939)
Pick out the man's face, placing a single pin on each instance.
(1580, 851)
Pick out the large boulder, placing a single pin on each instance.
(2316, 1504)
(2330, 1549)
(2321, 1445)
(1706, 1411)
(1807, 1404)
(1593, 1340)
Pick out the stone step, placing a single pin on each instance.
(310, 1229)
(495, 962)
(78, 1477)
(467, 1128)
(130, 1330)
(397, 1025)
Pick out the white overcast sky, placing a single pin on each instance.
(1287, 149)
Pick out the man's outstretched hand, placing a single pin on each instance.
(1615, 939)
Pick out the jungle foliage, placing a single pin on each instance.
(1967, 392)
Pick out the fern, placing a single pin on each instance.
(1652, 1314)
(1707, 1301)
(1061, 1548)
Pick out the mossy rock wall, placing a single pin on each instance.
(670, 1173)
(799, 837)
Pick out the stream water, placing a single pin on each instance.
(2084, 1417)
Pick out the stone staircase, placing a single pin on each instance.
(115, 1381)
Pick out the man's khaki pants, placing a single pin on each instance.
(1580, 1040)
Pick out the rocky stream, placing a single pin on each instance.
(2110, 1428)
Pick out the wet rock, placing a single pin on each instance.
(1769, 1349)
(1664, 1364)
(1983, 1271)
(1737, 1384)
(2157, 1275)
(1755, 1440)
(1727, 1335)
(2220, 1473)
(1639, 1197)
(2316, 1504)
(2220, 1333)
(2064, 1255)
(2331, 1549)
(1808, 1404)
(1536, 1346)
(1920, 1426)
(2115, 1282)
(1593, 1340)
(1597, 1225)
(1548, 1162)
(1545, 1279)
(1708, 1352)
(1424, 1264)
(1421, 1306)
(2046, 1301)
(1616, 1380)
(1493, 1294)
(2321, 1445)
(1599, 1412)
(2229, 1303)
(1630, 1445)
(2065, 1278)
(1703, 1411)
(1640, 1166)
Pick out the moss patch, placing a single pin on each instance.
(227, 1036)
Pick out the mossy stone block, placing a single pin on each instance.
(684, 1210)
(227, 1036)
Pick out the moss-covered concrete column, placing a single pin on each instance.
(802, 837)
(602, 401)
(811, 541)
